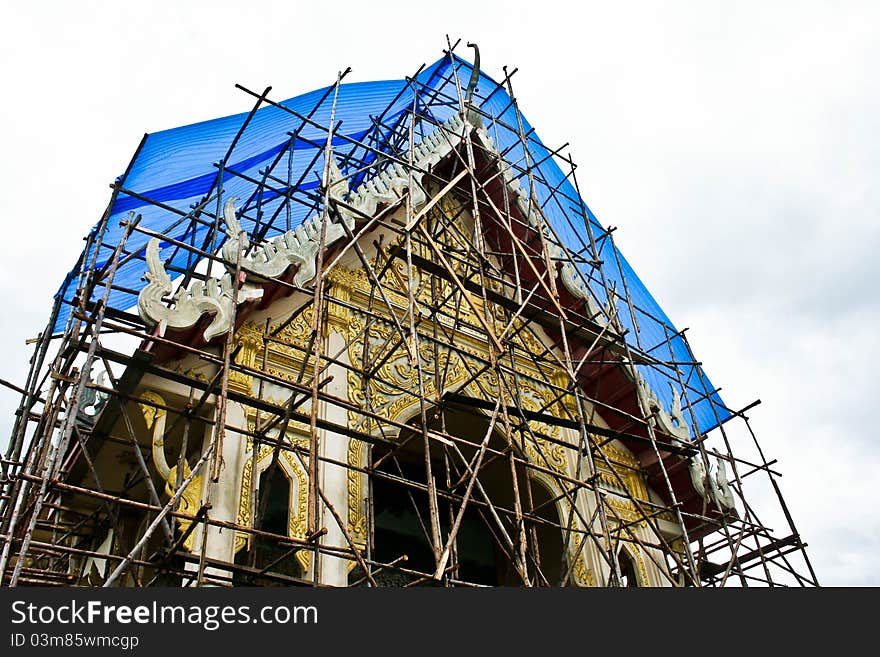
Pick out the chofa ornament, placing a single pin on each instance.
(712, 488)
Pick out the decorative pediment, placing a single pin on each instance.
(299, 246)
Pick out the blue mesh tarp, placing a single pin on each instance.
(179, 172)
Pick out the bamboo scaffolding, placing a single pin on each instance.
(469, 262)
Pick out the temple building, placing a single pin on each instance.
(373, 336)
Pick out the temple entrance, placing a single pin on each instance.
(488, 540)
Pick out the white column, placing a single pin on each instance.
(225, 494)
(334, 478)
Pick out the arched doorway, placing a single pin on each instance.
(489, 540)
(550, 564)
(628, 576)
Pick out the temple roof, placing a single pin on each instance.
(179, 180)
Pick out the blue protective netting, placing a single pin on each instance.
(177, 172)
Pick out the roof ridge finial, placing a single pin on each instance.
(475, 72)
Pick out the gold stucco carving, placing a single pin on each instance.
(635, 555)
(284, 352)
(150, 412)
(389, 394)
(583, 576)
(624, 468)
(293, 470)
(190, 498)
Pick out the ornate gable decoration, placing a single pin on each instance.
(299, 247)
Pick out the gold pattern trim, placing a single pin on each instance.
(294, 471)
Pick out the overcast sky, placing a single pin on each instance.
(735, 145)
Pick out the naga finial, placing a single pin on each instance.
(233, 226)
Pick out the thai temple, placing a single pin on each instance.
(374, 336)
